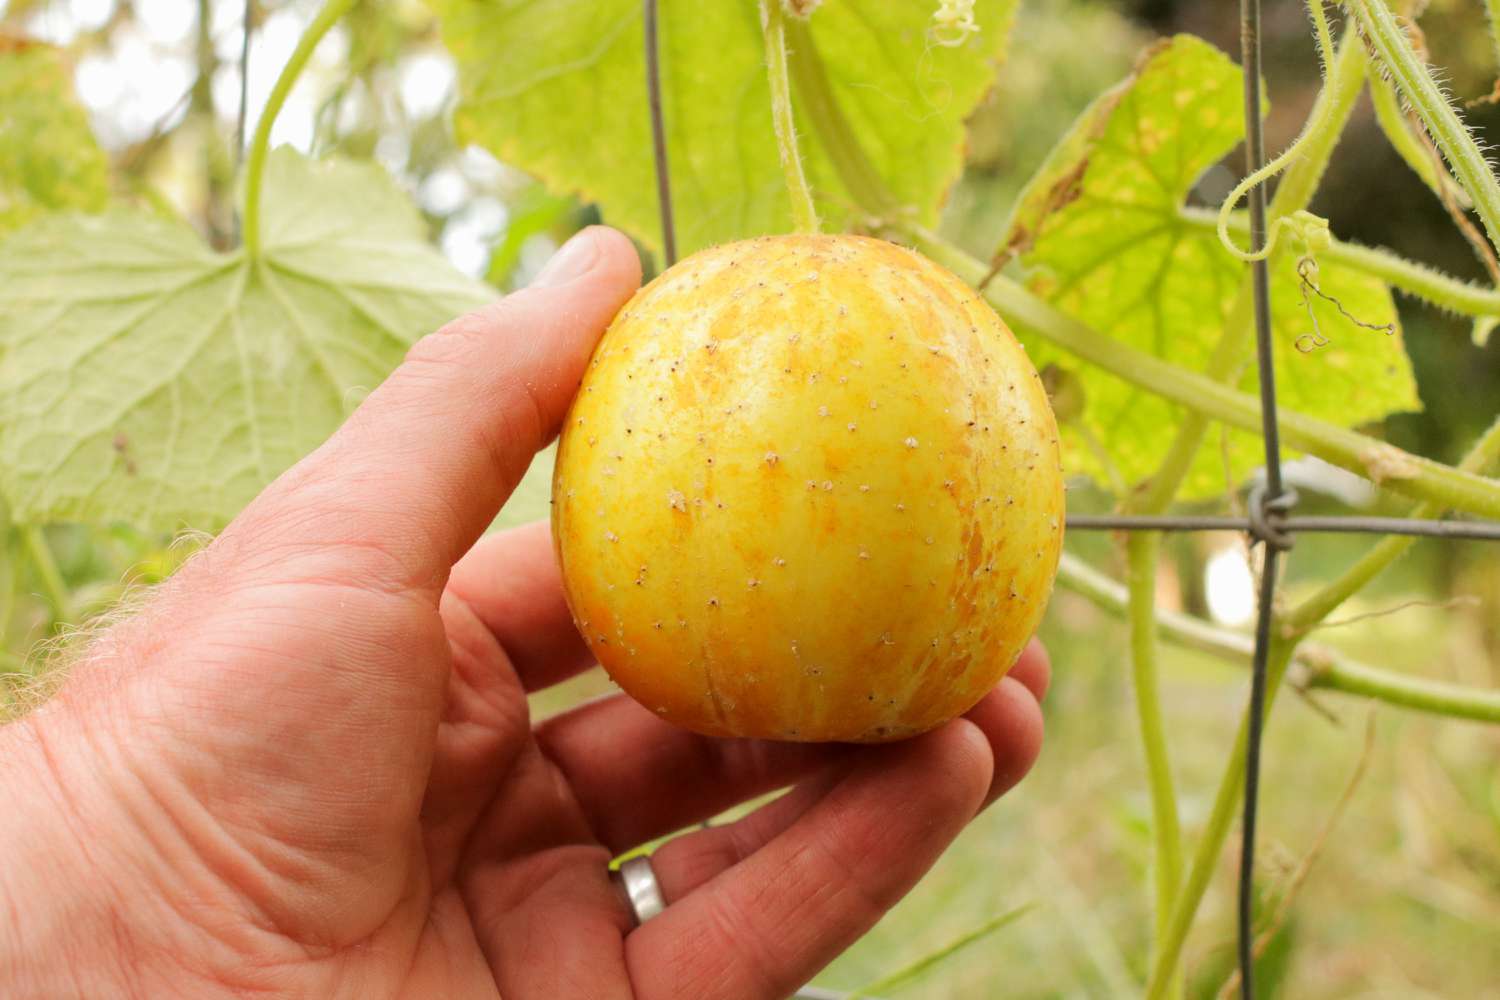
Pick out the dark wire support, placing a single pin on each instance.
(1483, 531)
(659, 137)
(239, 127)
(1268, 501)
(1268, 521)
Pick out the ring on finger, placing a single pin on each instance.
(638, 880)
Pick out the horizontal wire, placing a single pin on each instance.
(1487, 531)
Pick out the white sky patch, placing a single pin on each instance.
(133, 88)
(471, 232)
(444, 191)
(90, 15)
(427, 81)
(167, 22)
(1229, 587)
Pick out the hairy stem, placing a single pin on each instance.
(1456, 701)
(1394, 49)
(1414, 279)
(1484, 454)
(1407, 143)
(260, 144)
(829, 125)
(1318, 667)
(773, 27)
(1318, 123)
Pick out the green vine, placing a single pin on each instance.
(1322, 668)
(1318, 124)
(260, 144)
(1143, 549)
(773, 29)
(1335, 102)
(1424, 695)
(1208, 398)
(1394, 49)
(1400, 471)
(1428, 284)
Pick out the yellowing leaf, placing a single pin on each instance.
(145, 378)
(48, 156)
(558, 87)
(1104, 239)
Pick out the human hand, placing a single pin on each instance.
(305, 767)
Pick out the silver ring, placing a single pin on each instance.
(641, 888)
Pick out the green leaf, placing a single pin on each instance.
(558, 87)
(1103, 239)
(145, 378)
(48, 156)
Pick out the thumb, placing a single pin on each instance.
(423, 465)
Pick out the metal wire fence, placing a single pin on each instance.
(1268, 520)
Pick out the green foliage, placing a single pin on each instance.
(1101, 236)
(149, 380)
(558, 88)
(48, 156)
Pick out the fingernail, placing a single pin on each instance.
(576, 258)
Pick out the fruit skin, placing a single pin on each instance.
(810, 489)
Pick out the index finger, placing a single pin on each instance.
(422, 466)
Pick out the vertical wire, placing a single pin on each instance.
(1250, 60)
(239, 128)
(659, 137)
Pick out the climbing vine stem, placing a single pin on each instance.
(1407, 276)
(1394, 50)
(260, 144)
(1320, 667)
(1483, 454)
(1318, 125)
(1208, 398)
(773, 27)
(1143, 550)
(1414, 476)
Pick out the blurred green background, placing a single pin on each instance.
(1404, 898)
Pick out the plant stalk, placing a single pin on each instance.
(1334, 104)
(1483, 455)
(1283, 645)
(53, 586)
(1417, 280)
(1143, 549)
(1394, 49)
(260, 144)
(1319, 667)
(1404, 473)
(773, 28)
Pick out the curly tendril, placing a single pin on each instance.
(1314, 125)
